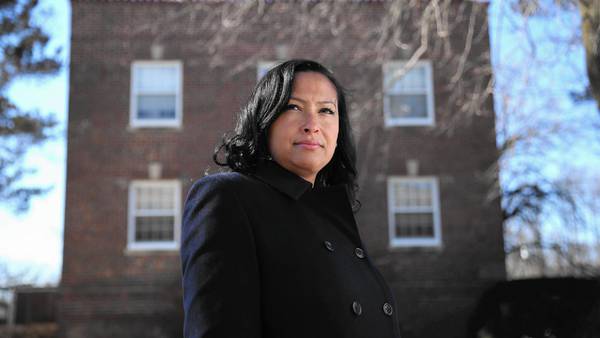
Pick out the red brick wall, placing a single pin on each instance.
(107, 291)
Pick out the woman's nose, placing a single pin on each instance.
(311, 124)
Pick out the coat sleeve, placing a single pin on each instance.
(219, 265)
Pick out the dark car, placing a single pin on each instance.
(557, 307)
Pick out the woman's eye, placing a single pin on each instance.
(292, 107)
(327, 111)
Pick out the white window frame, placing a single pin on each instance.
(434, 241)
(132, 245)
(136, 122)
(267, 65)
(389, 77)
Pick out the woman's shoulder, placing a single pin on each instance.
(223, 178)
(222, 183)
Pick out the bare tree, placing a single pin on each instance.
(590, 34)
(537, 128)
(452, 33)
(23, 45)
(590, 26)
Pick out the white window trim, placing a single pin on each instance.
(264, 64)
(134, 122)
(132, 245)
(434, 241)
(429, 120)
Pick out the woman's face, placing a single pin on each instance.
(303, 138)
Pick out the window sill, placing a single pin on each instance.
(133, 250)
(136, 127)
(409, 123)
(434, 244)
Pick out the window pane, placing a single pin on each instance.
(155, 198)
(404, 105)
(413, 80)
(400, 194)
(153, 228)
(422, 194)
(156, 107)
(413, 194)
(156, 78)
(414, 224)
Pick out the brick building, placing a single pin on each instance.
(152, 90)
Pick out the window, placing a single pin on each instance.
(408, 97)
(263, 67)
(154, 209)
(414, 211)
(156, 94)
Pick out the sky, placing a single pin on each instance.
(31, 243)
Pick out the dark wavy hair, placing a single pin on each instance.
(248, 144)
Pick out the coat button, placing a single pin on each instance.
(356, 308)
(387, 309)
(359, 253)
(328, 245)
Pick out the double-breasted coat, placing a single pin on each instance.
(268, 256)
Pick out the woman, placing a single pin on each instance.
(271, 249)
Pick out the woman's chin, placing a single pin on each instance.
(307, 167)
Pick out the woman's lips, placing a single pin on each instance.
(308, 145)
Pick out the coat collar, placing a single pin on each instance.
(281, 179)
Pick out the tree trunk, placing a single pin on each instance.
(590, 14)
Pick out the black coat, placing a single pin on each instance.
(268, 256)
